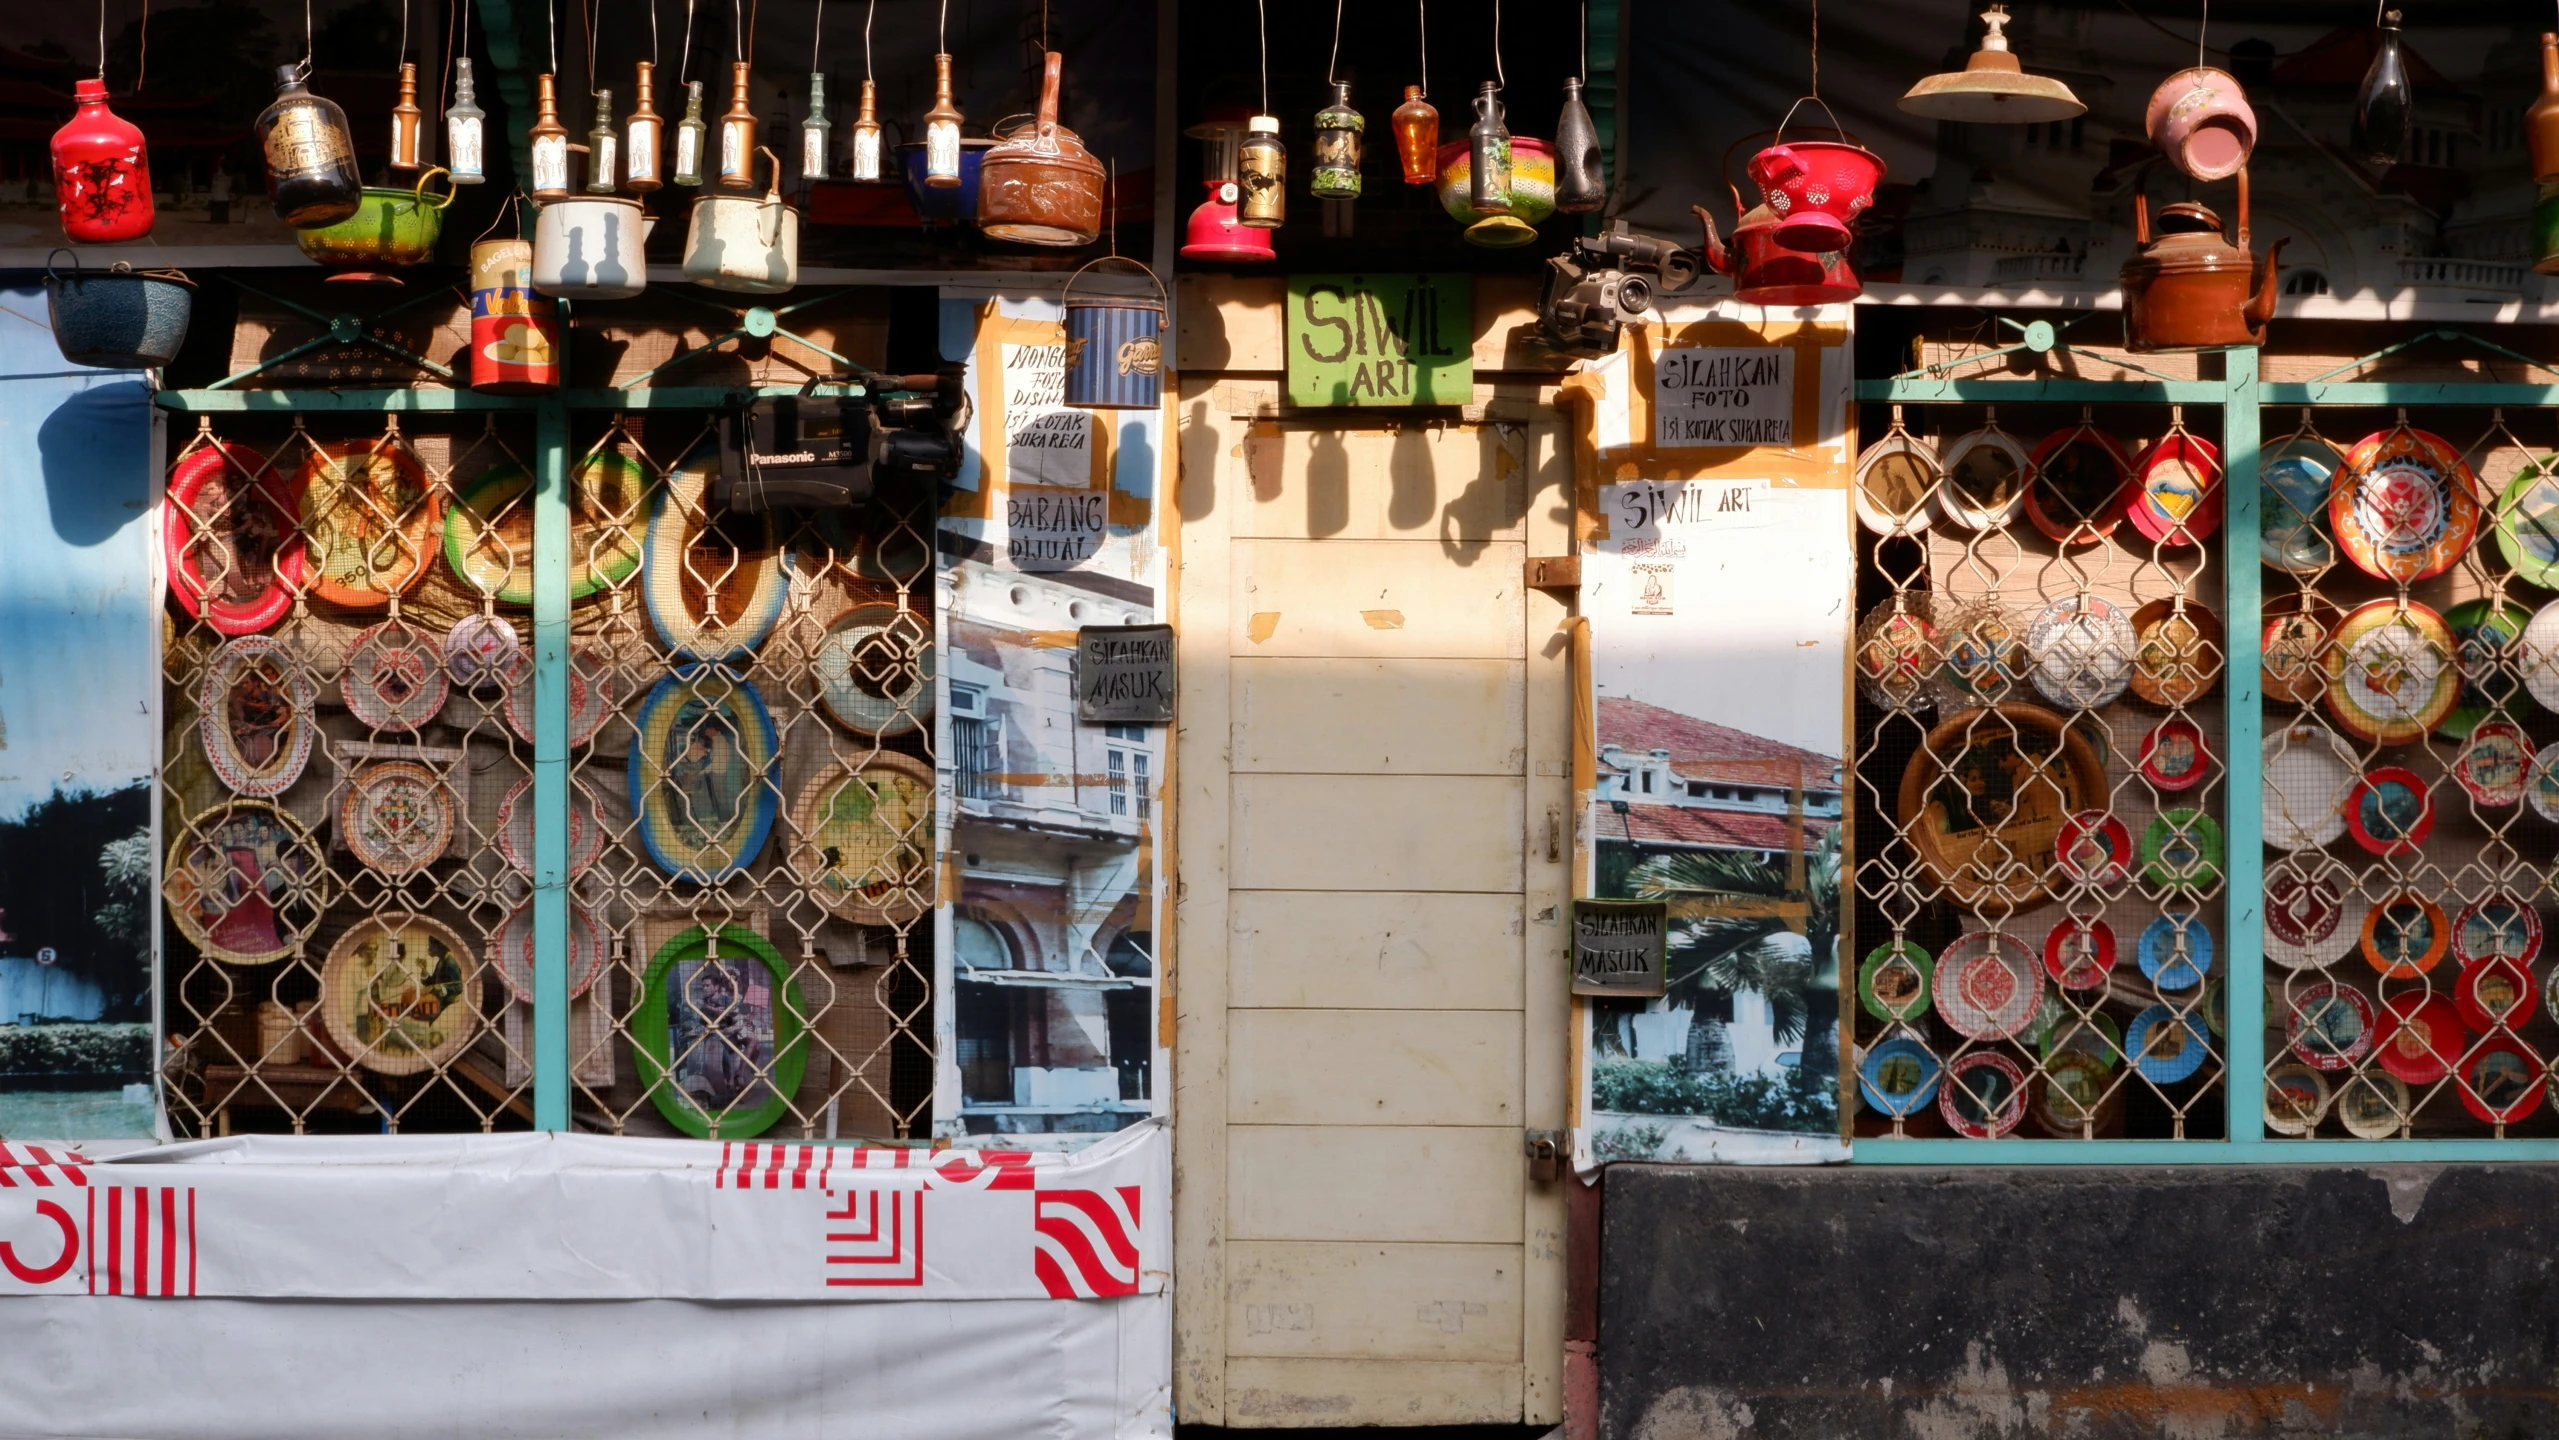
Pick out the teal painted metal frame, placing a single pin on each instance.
(2241, 396)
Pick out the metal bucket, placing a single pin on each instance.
(119, 319)
(588, 248)
(1114, 346)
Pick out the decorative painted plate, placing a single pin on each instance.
(2389, 812)
(714, 583)
(2080, 953)
(876, 667)
(588, 949)
(2497, 926)
(246, 883)
(2371, 1106)
(1987, 985)
(1985, 654)
(396, 817)
(2094, 849)
(2294, 670)
(1897, 654)
(370, 517)
(2166, 1047)
(2405, 936)
(2174, 755)
(479, 651)
(720, 1035)
(1898, 1077)
(2421, 1037)
(2178, 654)
(2495, 992)
(2072, 1096)
(1896, 478)
(1985, 797)
(1892, 982)
(2391, 676)
(515, 828)
(864, 838)
(395, 678)
(2292, 513)
(2405, 505)
(2527, 527)
(2297, 1098)
(2181, 850)
(2076, 495)
(2176, 491)
(1985, 485)
(258, 713)
(2501, 1082)
(595, 692)
(2082, 649)
(702, 773)
(2304, 779)
(2494, 763)
(2542, 790)
(2306, 924)
(1983, 1095)
(2329, 1026)
(2539, 656)
(488, 533)
(2488, 649)
(2176, 951)
(400, 994)
(227, 527)
(2072, 1032)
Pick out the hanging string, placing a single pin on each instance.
(653, 34)
(1043, 25)
(593, 12)
(1500, 80)
(1817, 50)
(1581, 67)
(551, 21)
(752, 7)
(1262, 10)
(102, 41)
(817, 36)
(1333, 66)
(444, 84)
(684, 61)
(866, 38)
(141, 48)
(942, 33)
(404, 33)
(1423, 9)
(308, 45)
(2201, 26)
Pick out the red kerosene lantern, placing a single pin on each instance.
(101, 177)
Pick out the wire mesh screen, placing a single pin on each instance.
(2039, 877)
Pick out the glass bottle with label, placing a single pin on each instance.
(1338, 138)
(1261, 168)
(406, 120)
(602, 145)
(547, 143)
(866, 136)
(464, 129)
(640, 135)
(1417, 138)
(942, 131)
(817, 135)
(737, 134)
(311, 176)
(689, 133)
(1488, 159)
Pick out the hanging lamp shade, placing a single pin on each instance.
(1992, 88)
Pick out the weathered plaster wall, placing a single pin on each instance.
(2390, 1300)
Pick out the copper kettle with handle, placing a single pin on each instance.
(2188, 288)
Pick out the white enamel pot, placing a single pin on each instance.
(748, 244)
(589, 248)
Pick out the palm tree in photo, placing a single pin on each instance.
(1720, 954)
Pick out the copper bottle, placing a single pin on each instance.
(548, 143)
(2541, 122)
(942, 131)
(737, 136)
(406, 120)
(641, 136)
(866, 136)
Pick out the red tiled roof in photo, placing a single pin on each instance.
(1701, 750)
(1715, 829)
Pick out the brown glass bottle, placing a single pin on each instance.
(547, 143)
(737, 136)
(1416, 125)
(2541, 122)
(942, 131)
(311, 176)
(407, 120)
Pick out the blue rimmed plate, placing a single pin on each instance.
(713, 583)
(703, 773)
(2176, 951)
(1898, 1077)
(2166, 1047)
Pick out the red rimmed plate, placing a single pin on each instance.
(2500, 926)
(2495, 992)
(2405, 506)
(2080, 953)
(2421, 1038)
(2391, 675)
(2501, 1082)
(1987, 985)
(2077, 494)
(2329, 1027)
(2390, 811)
(2094, 848)
(2177, 653)
(2306, 925)
(235, 554)
(587, 952)
(2174, 755)
(395, 678)
(1983, 1095)
(2176, 490)
(2405, 936)
(515, 829)
(2494, 764)
(258, 714)
(370, 515)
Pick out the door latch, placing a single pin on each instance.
(1545, 1154)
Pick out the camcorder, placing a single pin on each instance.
(1604, 282)
(832, 452)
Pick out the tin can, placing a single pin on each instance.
(1114, 347)
(515, 329)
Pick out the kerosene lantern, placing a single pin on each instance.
(942, 131)
(1416, 123)
(737, 134)
(101, 172)
(464, 129)
(1488, 158)
(641, 135)
(1261, 171)
(1338, 138)
(407, 120)
(690, 133)
(1214, 232)
(311, 176)
(547, 143)
(601, 147)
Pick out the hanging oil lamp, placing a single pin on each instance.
(942, 131)
(311, 176)
(640, 135)
(866, 136)
(1261, 169)
(601, 143)
(464, 126)
(689, 135)
(101, 172)
(737, 134)
(406, 120)
(817, 134)
(548, 144)
(2385, 102)
(1992, 88)
(1338, 139)
(1488, 154)
(1581, 184)
(1416, 124)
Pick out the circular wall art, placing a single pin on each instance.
(1897, 476)
(2538, 656)
(1987, 985)
(488, 533)
(595, 692)
(714, 583)
(481, 650)
(2305, 775)
(1983, 1095)
(245, 882)
(2372, 1106)
(1892, 982)
(2076, 495)
(2390, 811)
(2306, 924)
(1898, 1077)
(702, 773)
(2495, 763)
(2405, 506)
(2176, 951)
(2329, 1026)
(515, 828)
(864, 838)
(1985, 654)
(2178, 652)
(2391, 676)
(1897, 654)
(400, 994)
(2421, 1038)
(2176, 490)
(2488, 650)
(258, 713)
(1985, 486)
(396, 817)
(2073, 1096)
(588, 949)
(2405, 936)
(395, 678)
(2495, 992)
(2293, 510)
(2293, 669)
(2498, 926)
(369, 518)
(2174, 755)
(875, 670)
(2166, 1047)
(2082, 649)
(2094, 849)
(2541, 790)
(2181, 851)
(1985, 797)
(2080, 953)
(2528, 523)
(2501, 1082)
(227, 528)
(2297, 1098)
(720, 1039)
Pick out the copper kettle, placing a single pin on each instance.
(2188, 288)
(1039, 185)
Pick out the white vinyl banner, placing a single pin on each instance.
(310, 1277)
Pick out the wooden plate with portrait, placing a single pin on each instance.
(1987, 795)
(258, 711)
(400, 994)
(369, 515)
(865, 838)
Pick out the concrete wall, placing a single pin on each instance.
(1944, 1304)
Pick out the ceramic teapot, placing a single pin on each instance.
(2188, 288)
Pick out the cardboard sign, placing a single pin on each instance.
(1046, 441)
(1124, 674)
(1712, 395)
(1048, 527)
(1619, 947)
(1381, 340)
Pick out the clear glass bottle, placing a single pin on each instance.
(311, 176)
(641, 135)
(942, 131)
(407, 120)
(866, 136)
(1261, 168)
(1488, 143)
(817, 135)
(1416, 124)
(1338, 140)
(737, 134)
(689, 135)
(602, 147)
(548, 143)
(464, 129)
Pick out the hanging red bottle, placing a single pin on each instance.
(101, 176)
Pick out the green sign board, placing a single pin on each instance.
(1381, 340)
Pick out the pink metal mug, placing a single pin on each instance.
(2200, 119)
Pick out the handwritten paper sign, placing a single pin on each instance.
(1381, 340)
(1052, 528)
(1124, 674)
(1046, 441)
(1711, 395)
(1654, 510)
(1619, 946)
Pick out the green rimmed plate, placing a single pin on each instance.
(2528, 523)
(1892, 983)
(488, 532)
(720, 1037)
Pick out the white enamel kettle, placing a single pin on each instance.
(745, 243)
